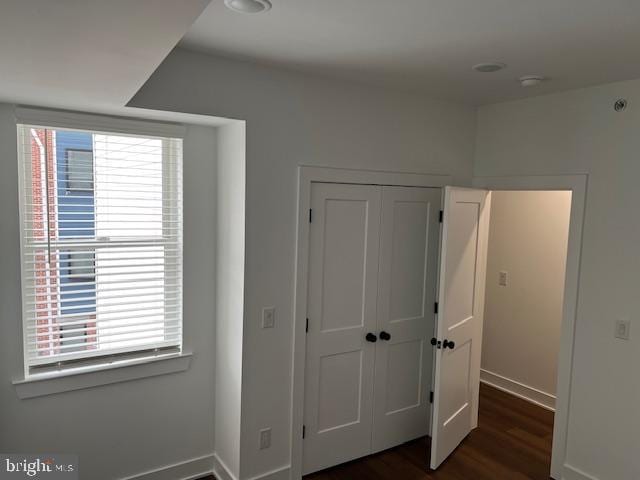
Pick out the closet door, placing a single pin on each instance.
(410, 231)
(343, 281)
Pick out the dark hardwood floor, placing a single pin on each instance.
(512, 442)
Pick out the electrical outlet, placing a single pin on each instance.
(268, 317)
(502, 279)
(265, 438)
(623, 325)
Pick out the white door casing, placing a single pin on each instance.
(406, 295)
(463, 259)
(342, 290)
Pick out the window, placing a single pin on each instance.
(79, 170)
(101, 217)
(81, 266)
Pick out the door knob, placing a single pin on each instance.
(435, 342)
(385, 336)
(448, 344)
(370, 337)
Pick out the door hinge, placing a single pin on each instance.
(304, 430)
(441, 217)
(310, 215)
(431, 397)
(306, 328)
(435, 307)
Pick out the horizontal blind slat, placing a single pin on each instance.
(108, 260)
(99, 243)
(149, 325)
(125, 213)
(118, 282)
(83, 320)
(68, 308)
(109, 337)
(108, 315)
(101, 290)
(103, 264)
(110, 352)
(112, 341)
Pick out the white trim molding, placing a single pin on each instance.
(103, 374)
(282, 473)
(90, 121)
(518, 389)
(577, 184)
(222, 472)
(220, 469)
(306, 176)
(573, 473)
(309, 174)
(188, 470)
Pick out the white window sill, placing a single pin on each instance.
(92, 376)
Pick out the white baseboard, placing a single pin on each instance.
(187, 470)
(222, 472)
(220, 469)
(277, 474)
(530, 394)
(572, 473)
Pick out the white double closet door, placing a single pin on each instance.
(373, 255)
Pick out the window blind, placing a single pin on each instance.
(101, 217)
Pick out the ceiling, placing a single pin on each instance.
(86, 53)
(430, 45)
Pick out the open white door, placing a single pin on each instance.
(463, 262)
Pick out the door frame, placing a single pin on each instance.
(306, 176)
(577, 184)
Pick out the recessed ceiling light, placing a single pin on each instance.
(489, 67)
(531, 80)
(248, 6)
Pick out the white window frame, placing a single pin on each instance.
(109, 368)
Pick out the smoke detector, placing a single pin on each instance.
(489, 67)
(531, 80)
(248, 6)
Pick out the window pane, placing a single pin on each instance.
(79, 170)
(102, 250)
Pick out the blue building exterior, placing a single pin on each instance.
(76, 220)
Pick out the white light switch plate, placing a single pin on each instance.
(623, 325)
(502, 279)
(268, 317)
(265, 438)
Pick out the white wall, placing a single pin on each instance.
(528, 240)
(579, 132)
(230, 207)
(126, 428)
(295, 119)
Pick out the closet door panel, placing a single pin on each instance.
(406, 295)
(343, 278)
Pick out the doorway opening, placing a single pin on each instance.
(523, 310)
